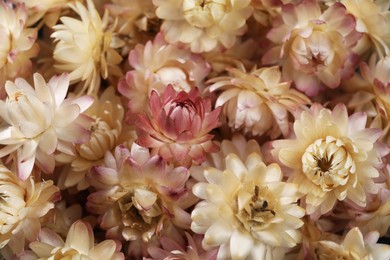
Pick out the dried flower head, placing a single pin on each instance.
(137, 196)
(38, 120)
(353, 246)
(107, 116)
(157, 64)
(18, 44)
(333, 157)
(203, 25)
(86, 48)
(22, 203)
(178, 126)
(314, 46)
(79, 244)
(258, 102)
(372, 20)
(247, 210)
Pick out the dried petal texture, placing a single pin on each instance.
(85, 48)
(22, 204)
(203, 25)
(247, 210)
(372, 20)
(170, 249)
(133, 15)
(314, 47)
(353, 246)
(333, 157)
(38, 120)
(47, 10)
(137, 196)
(18, 44)
(258, 102)
(107, 116)
(266, 10)
(79, 244)
(178, 126)
(157, 64)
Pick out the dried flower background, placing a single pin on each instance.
(194, 129)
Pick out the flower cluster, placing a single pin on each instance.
(194, 129)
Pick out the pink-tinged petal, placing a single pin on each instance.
(48, 141)
(84, 102)
(73, 133)
(50, 237)
(179, 151)
(42, 90)
(25, 167)
(357, 122)
(80, 237)
(44, 161)
(65, 115)
(59, 85)
(107, 248)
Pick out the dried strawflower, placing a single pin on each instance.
(137, 197)
(258, 102)
(203, 25)
(333, 157)
(372, 20)
(353, 246)
(314, 47)
(247, 210)
(79, 244)
(107, 115)
(86, 48)
(157, 64)
(38, 120)
(172, 250)
(22, 204)
(18, 44)
(178, 126)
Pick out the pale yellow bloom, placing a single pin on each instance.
(372, 19)
(79, 244)
(17, 45)
(333, 157)
(247, 210)
(22, 203)
(353, 246)
(203, 25)
(86, 48)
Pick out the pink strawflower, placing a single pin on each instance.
(314, 47)
(157, 64)
(177, 126)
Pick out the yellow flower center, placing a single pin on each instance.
(327, 163)
(258, 212)
(203, 13)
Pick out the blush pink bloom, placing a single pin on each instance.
(177, 126)
(157, 64)
(314, 47)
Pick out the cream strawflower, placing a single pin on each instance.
(203, 25)
(86, 48)
(353, 246)
(372, 19)
(22, 203)
(157, 64)
(37, 121)
(258, 102)
(138, 197)
(107, 115)
(79, 244)
(333, 157)
(18, 44)
(247, 210)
